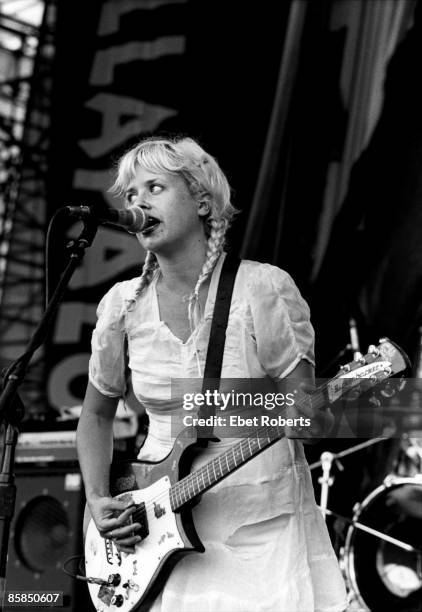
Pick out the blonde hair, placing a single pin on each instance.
(204, 179)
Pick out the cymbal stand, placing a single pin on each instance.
(326, 462)
(326, 480)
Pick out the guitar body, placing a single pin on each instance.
(171, 535)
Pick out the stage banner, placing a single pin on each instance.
(114, 62)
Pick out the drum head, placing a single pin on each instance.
(385, 576)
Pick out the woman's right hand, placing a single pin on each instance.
(112, 517)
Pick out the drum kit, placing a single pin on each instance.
(381, 552)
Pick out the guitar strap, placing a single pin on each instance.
(215, 352)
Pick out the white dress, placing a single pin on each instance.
(267, 546)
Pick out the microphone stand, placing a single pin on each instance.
(352, 346)
(346, 349)
(11, 407)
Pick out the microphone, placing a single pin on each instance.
(133, 219)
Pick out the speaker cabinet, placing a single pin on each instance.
(46, 530)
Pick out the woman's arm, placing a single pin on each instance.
(94, 437)
(302, 379)
(95, 451)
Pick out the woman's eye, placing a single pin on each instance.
(155, 188)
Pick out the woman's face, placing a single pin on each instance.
(174, 214)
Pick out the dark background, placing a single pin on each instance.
(223, 88)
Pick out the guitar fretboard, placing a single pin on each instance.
(212, 472)
(215, 470)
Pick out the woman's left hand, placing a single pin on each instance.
(310, 423)
(306, 422)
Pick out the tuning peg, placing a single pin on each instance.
(373, 350)
(345, 368)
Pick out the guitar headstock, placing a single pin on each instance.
(381, 362)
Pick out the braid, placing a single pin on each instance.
(215, 248)
(149, 267)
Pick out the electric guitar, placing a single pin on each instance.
(163, 493)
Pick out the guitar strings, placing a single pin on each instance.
(317, 401)
(190, 481)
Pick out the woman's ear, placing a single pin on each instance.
(203, 208)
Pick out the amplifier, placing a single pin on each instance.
(46, 530)
(45, 447)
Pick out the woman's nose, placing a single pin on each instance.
(143, 204)
(139, 202)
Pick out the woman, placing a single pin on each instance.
(267, 548)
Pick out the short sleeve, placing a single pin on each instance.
(107, 362)
(281, 321)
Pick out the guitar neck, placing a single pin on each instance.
(241, 452)
(378, 364)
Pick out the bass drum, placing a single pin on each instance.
(383, 575)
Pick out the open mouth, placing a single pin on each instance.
(152, 224)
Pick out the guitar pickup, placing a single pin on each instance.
(140, 516)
